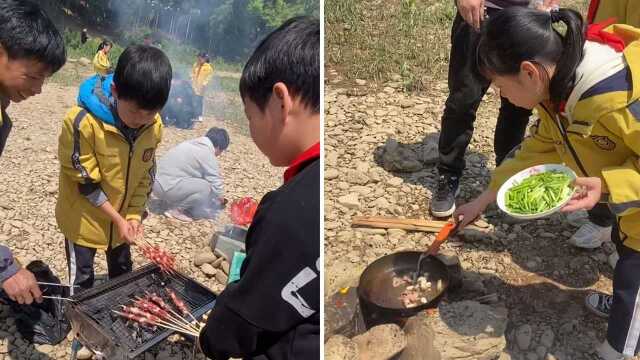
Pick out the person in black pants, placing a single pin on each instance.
(466, 89)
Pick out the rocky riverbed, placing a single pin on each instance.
(381, 146)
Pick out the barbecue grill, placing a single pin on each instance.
(97, 327)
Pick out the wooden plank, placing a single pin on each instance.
(405, 224)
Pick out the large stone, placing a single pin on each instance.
(208, 270)
(381, 342)
(469, 330)
(356, 177)
(340, 348)
(330, 174)
(399, 158)
(430, 154)
(84, 61)
(204, 258)
(350, 201)
(419, 340)
(523, 336)
(45, 349)
(547, 338)
(221, 277)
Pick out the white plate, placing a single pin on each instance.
(517, 178)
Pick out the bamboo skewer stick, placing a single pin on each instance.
(161, 324)
(158, 323)
(172, 320)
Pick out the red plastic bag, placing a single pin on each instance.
(243, 210)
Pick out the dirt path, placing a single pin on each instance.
(537, 275)
(28, 190)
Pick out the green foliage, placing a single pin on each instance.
(275, 12)
(228, 29)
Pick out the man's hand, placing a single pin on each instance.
(547, 5)
(22, 287)
(472, 11)
(588, 195)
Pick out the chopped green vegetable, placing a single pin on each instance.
(538, 193)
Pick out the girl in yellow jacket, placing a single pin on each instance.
(101, 62)
(201, 74)
(587, 94)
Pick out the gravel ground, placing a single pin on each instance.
(536, 274)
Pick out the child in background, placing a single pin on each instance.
(101, 63)
(201, 74)
(273, 311)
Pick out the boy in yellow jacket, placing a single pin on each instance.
(107, 156)
(201, 74)
(587, 93)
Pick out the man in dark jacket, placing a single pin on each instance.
(273, 311)
(31, 50)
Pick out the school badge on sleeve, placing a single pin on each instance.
(148, 154)
(603, 142)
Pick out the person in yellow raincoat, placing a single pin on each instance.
(586, 90)
(107, 161)
(201, 74)
(101, 62)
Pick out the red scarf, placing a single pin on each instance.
(595, 32)
(310, 154)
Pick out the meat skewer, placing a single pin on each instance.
(154, 309)
(152, 318)
(180, 304)
(153, 321)
(153, 297)
(157, 255)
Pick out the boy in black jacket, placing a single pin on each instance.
(273, 311)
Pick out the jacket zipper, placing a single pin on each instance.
(126, 181)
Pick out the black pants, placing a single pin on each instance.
(601, 215)
(80, 261)
(198, 105)
(466, 89)
(623, 329)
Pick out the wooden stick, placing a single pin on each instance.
(196, 323)
(161, 324)
(406, 224)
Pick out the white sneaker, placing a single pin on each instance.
(84, 354)
(198, 119)
(607, 352)
(578, 218)
(590, 236)
(613, 259)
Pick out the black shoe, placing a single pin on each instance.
(599, 303)
(443, 202)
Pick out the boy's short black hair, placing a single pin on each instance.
(290, 54)
(219, 138)
(26, 32)
(143, 75)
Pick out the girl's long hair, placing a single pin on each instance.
(518, 34)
